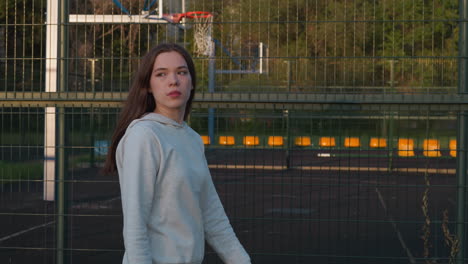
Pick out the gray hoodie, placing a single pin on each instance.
(169, 202)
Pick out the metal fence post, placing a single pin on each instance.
(61, 188)
(61, 164)
(211, 89)
(288, 139)
(462, 142)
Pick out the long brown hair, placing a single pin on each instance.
(140, 101)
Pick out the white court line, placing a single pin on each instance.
(96, 204)
(25, 231)
(256, 167)
(397, 231)
(46, 224)
(332, 168)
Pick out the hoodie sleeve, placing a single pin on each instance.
(218, 230)
(137, 162)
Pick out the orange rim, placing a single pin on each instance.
(197, 14)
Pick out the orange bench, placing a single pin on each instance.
(275, 141)
(405, 147)
(431, 148)
(227, 140)
(327, 142)
(206, 140)
(453, 147)
(302, 141)
(251, 141)
(352, 142)
(378, 142)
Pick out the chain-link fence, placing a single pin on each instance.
(335, 131)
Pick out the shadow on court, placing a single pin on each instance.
(350, 207)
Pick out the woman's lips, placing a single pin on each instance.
(174, 94)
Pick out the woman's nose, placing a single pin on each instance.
(174, 79)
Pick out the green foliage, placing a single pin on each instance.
(420, 28)
(332, 43)
(14, 171)
(342, 31)
(24, 38)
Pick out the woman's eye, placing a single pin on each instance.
(161, 74)
(183, 72)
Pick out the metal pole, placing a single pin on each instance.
(91, 120)
(288, 139)
(92, 161)
(51, 85)
(211, 89)
(61, 189)
(462, 140)
(211, 69)
(93, 74)
(286, 114)
(260, 57)
(61, 164)
(160, 8)
(461, 184)
(392, 68)
(172, 30)
(389, 136)
(289, 75)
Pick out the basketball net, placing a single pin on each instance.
(202, 30)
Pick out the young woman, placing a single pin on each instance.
(170, 205)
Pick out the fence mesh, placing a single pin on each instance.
(334, 130)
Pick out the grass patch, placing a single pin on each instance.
(76, 161)
(20, 171)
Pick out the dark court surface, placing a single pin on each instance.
(345, 208)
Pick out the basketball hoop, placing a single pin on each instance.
(202, 29)
(177, 17)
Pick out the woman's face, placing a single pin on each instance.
(170, 83)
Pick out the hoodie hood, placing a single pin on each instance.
(161, 119)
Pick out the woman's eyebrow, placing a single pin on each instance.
(165, 69)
